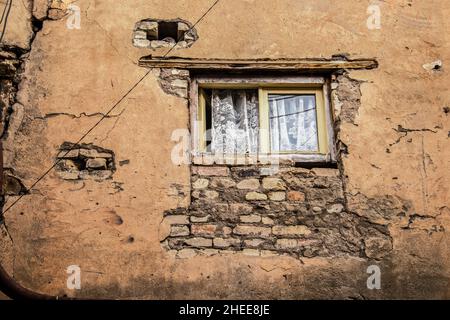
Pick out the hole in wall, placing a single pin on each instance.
(84, 161)
(160, 33)
(168, 30)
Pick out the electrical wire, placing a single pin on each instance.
(7, 283)
(105, 115)
(7, 9)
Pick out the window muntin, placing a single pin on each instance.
(310, 139)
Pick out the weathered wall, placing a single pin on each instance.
(392, 126)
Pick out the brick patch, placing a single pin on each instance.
(296, 211)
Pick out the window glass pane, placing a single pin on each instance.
(293, 124)
(208, 120)
(235, 121)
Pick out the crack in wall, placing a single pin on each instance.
(81, 115)
(404, 133)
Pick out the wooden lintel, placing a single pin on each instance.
(257, 64)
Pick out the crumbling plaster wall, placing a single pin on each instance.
(394, 158)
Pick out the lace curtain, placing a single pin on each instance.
(293, 125)
(235, 121)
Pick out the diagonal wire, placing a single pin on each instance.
(4, 11)
(109, 111)
(293, 113)
(5, 16)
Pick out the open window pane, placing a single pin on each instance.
(235, 120)
(293, 123)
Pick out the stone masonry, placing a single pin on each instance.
(298, 212)
(147, 34)
(84, 161)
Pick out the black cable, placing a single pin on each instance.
(291, 114)
(6, 19)
(107, 113)
(4, 11)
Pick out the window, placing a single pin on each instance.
(278, 117)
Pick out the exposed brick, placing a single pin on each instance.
(296, 171)
(196, 194)
(64, 154)
(253, 242)
(208, 252)
(222, 183)
(141, 43)
(97, 163)
(307, 242)
(200, 183)
(299, 198)
(179, 83)
(255, 196)
(211, 171)
(225, 243)
(325, 172)
(226, 231)
(211, 194)
(268, 171)
(286, 244)
(245, 172)
(248, 184)
(200, 219)
(203, 229)
(179, 231)
(267, 220)
(67, 165)
(240, 208)
(252, 231)
(277, 196)
(290, 230)
(199, 242)
(335, 208)
(92, 153)
(253, 218)
(273, 184)
(176, 219)
(296, 196)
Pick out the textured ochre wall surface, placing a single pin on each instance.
(395, 168)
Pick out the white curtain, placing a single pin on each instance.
(235, 121)
(293, 125)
